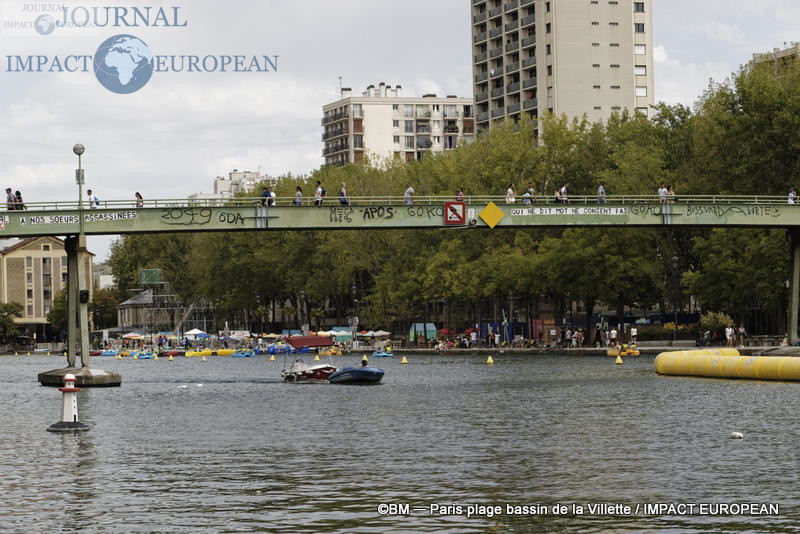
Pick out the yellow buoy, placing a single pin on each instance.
(489, 361)
(203, 358)
(65, 353)
(170, 357)
(316, 358)
(136, 356)
(618, 361)
(272, 357)
(29, 354)
(155, 356)
(16, 354)
(404, 360)
(364, 358)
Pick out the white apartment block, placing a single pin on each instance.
(573, 57)
(236, 182)
(384, 123)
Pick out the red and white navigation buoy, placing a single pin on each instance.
(69, 408)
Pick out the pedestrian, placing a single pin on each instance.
(473, 337)
(662, 193)
(298, 196)
(558, 196)
(18, 201)
(93, 202)
(343, 200)
(671, 195)
(563, 191)
(742, 335)
(526, 197)
(460, 194)
(729, 335)
(264, 195)
(11, 200)
(318, 194)
(601, 193)
(409, 195)
(612, 336)
(270, 196)
(139, 200)
(634, 331)
(510, 199)
(792, 195)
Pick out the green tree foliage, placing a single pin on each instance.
(57, 316)
(8, 311)
(103, 308)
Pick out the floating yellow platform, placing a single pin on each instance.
(727, 363)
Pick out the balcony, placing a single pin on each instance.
(498, 91)
(495, 12)
(512, 87)
(499, 112)
(513, 67)
(525, 2)
(480, 17)
(477, 2)
(530, 62)
(424, 113)
(530, 82)
(335, 117)
(481, 77)
(479, 38)
(494, 32)
(483, 97)
(496, 52)
(511, 26)
(451, 129)
(510, 6)
(529, 104)
(423, 129)
(496, 73)
(423, 143)
(513, 45)
(334, 133)
(483, 116)
(334, 149)
(529, 41)
(480, 58)
(527, 21)
(513, 108)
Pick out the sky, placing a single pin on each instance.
(178, 132)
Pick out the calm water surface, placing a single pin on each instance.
(244, 452)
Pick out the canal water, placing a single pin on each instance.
(236, 450)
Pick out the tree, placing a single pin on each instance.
(57, 316)
(104, 308)
(8, 311)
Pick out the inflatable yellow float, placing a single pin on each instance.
(727, 363)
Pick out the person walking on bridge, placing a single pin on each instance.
(792, 196)
(11, 200)
(601, 193)
(409, 195)
(93, 202)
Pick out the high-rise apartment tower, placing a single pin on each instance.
(576, 57)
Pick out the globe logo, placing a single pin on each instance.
(123, 64)
(44, 24)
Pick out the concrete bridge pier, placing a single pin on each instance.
(78, 324)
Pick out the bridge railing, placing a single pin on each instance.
(438, 200)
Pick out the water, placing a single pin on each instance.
(247, 453)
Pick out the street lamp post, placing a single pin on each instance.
(79, 149)
(676, 283)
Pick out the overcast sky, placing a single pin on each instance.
(172, 137)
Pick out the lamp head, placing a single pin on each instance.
(78, 149)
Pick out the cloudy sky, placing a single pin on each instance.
(172, 137)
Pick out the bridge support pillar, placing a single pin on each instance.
(794, 285)
(78, 324)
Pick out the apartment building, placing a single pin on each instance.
(384, 123)
(32, 272)
(573, 57)
(778, 57)
(236, 182)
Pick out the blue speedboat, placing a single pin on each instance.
(383, 354)
(356, 375)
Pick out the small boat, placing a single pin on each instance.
(243, 354)
(303, 372)
(383, 354)
(109, 353)
(279, 348)
(356, 375)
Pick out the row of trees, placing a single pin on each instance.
(741, 138)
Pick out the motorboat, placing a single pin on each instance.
(242, 354)
(382, 354)
(356, 375)
(300, 371)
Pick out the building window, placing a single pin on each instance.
(410, 141)
(613, 2)
(435, 107)
(436, 139)
(395, 107)
(29, 277)
(549, 70)
(547, 50)
(595, 23)
(641, 110)
(550, 91)
(596, 65)
(641, 90)
(30, 311)
(595, 87)
(28, 261)
(437, 125)
(638, 27)
(547, 28)
(29, 293)
(395, 124)
(614, 45)
(615, 86)
(639, 50)
(358, 141)
(615, 108)
(595, 44)
(613, 24)
(357, 110)
(640, 70)
(409, 126)
(547, 7)
(46, 294)
(614, 66)
(408, 110)
(45, 247)
(63, 278)
(595, 2)
(597, 108)
(396, 139)
(638, 7)
(46, 309)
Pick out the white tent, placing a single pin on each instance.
(192, 334)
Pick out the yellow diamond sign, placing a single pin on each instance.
(491, 214)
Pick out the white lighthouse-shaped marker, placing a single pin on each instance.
(69, 408)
